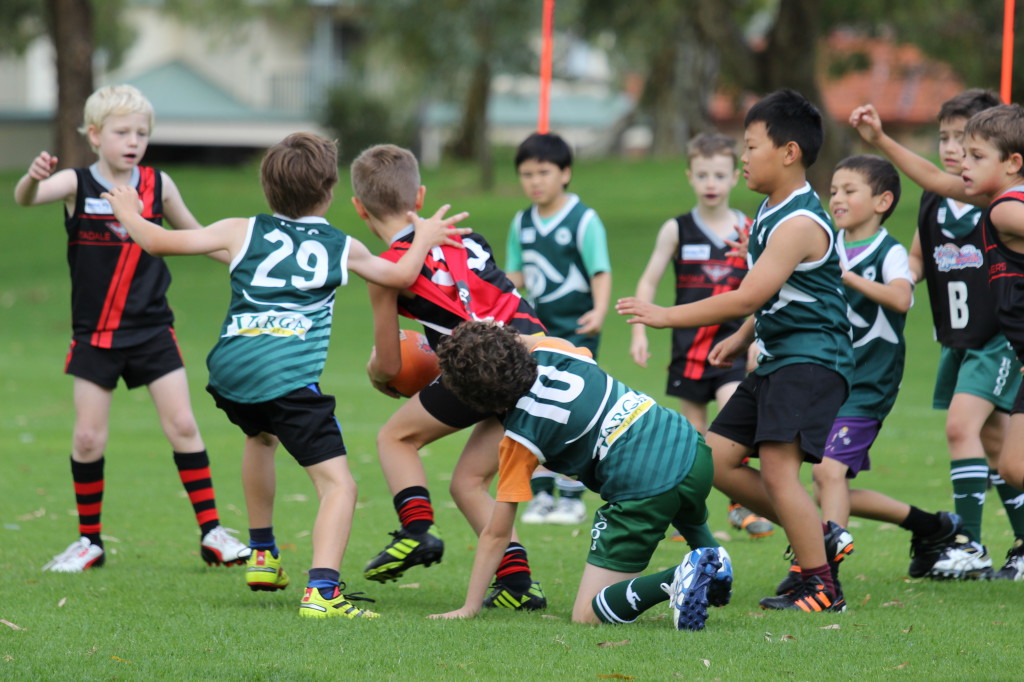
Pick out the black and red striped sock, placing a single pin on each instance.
(415, 512)
(194, 472)
(88, 480)
(514, 569)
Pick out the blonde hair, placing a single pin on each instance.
(115, 100)
(386, 179)
(298, 174)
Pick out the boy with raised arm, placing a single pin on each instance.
(266, 366)
(122, 324)
(978, 374)
(782, 412)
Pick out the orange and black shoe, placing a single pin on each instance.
(838, 546)
(811, 596)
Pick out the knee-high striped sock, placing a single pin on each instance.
(514, 569)
(194, 472)
(1013, 503)
(970, 479)
(624, 601)
(415, 512)
(88, 481)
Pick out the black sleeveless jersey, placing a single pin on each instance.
(1006, 277)
(118, 291)
(953, 252)
(703, 269)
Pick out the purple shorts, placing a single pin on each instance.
(849, 442)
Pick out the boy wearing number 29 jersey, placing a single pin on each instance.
(265, 367)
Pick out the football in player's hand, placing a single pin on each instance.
(419, 364)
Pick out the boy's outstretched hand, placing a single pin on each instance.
(123, 201)
(642, 312)
(438, 229)
(868, 123)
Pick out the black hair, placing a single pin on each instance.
(545, 147)
(880, 175)
(789, 117)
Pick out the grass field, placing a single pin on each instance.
(157, 612)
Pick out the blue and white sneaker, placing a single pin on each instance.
(688, 593)
(720, 590)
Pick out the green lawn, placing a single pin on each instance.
(157, 612)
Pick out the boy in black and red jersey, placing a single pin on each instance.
(699, 244)
(454, 286)
(122, 324)
(993, 169)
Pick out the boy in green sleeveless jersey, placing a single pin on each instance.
(558, 251)
(648, 463)
(879, 289)
(783, 411)
(978, 374)
(265, 368)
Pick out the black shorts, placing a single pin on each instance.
(794, 404)
(139, 365)
(702, 390)
(303, 421)
(442, 405)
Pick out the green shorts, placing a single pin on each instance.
(625, 534)
(991, 373)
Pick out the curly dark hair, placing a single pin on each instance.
(486, 366)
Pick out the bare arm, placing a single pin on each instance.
(733, 346)
(919, 169)
(180, 218)
(491, 546)
(386, 359)
(227, 235)
(795, 241)
(40, 185)
(1008, 220)
(665, 246)
(915, 258)
(430, 232)
(592, 321)
(516, 278)
(896, 295)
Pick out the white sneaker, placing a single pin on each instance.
(568, 511)
(688, 593)
(963, 560)
(1013, 569)
(219, 547)
(538, 508)
(80, 555)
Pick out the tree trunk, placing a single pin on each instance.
(70, 23)
(471, 141)
(789, 60)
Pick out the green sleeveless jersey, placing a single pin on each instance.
(275, 336)
(556, 278)
(581, 422)
(878, 345)
(805, 321)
